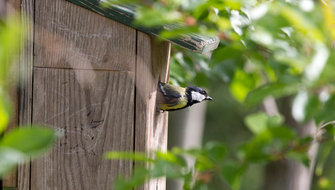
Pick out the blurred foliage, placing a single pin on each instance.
(210, 160)
(268, 49)
(18, 145)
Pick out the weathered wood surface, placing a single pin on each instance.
(94, 110)
(93, 106)
(152, 65)
(26, 82)
(13, 7)
(69, 36)
(125, 14)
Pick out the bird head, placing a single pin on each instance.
(196, 95)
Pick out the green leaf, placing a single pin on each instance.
(156, 17)
(253, 151)
(299, 21)
(275, 90)
(325, 151)
(20, 144)
(4, 112)
(200, 186)
(159, 169)
(257, 123)
(140, 176)
(203, 163)
(282, 133)
(232, 172)
(173, 171)
(299, 156)
(9, 158)
(215, 151)
(262, 146)
(171, 158)
(224, 53)
(188, 182)
(177, 33)
(201, 12)
(10, 36)
(121, 184)
(31, 141)
(115, 155)
(275, 121)
(242, 84)
(326, 112)
(327, 73)
(233, 4)
(177, 71)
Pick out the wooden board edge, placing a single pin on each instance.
(26, 82)
(10, 180)
(152, 65)
(125, 14)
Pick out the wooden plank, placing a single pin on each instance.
(94, 110)
(150, 129)
(13, 7)
(126, 13)
(2, 9)
(26, 82)
(10, 180)
(69, 36)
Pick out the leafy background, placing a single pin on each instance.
(278, 51)
(27, 142)
(270, 51)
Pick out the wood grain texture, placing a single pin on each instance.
(150, 129)
(69, 36)
(126, 14)
(13, 7)
(26, 82)
(94, 110)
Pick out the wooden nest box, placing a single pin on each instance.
(87, 73)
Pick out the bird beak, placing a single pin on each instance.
(209, 98)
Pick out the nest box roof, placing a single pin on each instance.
(125, 15)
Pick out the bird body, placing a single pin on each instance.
(171, 98)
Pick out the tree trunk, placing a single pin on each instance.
(185, 131)
(289, 174)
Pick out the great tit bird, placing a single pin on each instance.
(171, 98)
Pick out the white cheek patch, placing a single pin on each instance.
(197, 96)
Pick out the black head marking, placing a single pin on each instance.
(196, 89)
(191, 89)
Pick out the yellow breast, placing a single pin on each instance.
(182, 102)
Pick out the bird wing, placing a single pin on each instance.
(168, 94)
